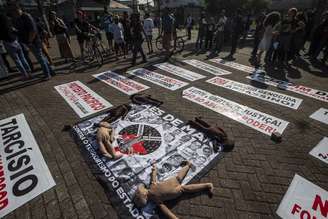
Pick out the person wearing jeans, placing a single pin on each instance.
(28, 36)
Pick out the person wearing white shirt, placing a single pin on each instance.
(148, 26)
(118, 35)
(189, 24)
(219, 35)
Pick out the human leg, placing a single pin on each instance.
(197, 187)
(37, 52)
(14, 49)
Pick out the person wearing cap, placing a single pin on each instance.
(170, 189)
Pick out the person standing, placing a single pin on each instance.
(202, 26)
(168, 26)
(237, 30)
(299, 34)
(269, 26)
(107, 22)
(29, 37)
(127, 31)
(259, 30)
(59, 28)
(137, 38)
(3, 67)
(118, 35)
(43, 36)
(219, 32)
(209, 33)
(189, 25)
(8, 36)
(148, 26)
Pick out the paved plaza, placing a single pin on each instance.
(249, 182)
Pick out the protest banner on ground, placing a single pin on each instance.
(121, 82)
(207, 67)
(263, 94)
(252, 118)
(321, 115)
(158, 137)
(234, 65)
(23, 172)
(178, 71)
(159, 79)
(303, 199)
(300, 89)
(82, 99)
(321, 150)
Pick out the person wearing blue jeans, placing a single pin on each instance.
(28, 35)
(16, 53)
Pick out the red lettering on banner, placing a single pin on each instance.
(269, 129)
(3, 194)
(220, 81)
(296, 208)
(323, 206)
(304, 89)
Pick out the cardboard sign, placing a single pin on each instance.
(82, 99)
(178, 71)
(121, 82)
(23, 172)
(304, 199)
(252, 118)
(300, 89)
(159, 137)
(234, 65)
(263, 94)
(321, 115)
(159, 79)
(321, 150)
(206, 67)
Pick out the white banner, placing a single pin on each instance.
(304, 200)
(257, 120)
(321, 150)
(321, 115)
(300, 89)
(234, 65)
(82, 99)
(23, 172)
(159, 79)
(178, 71)
(206, 67)
(121, 82)
(267, 95)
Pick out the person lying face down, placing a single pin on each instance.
(169, 189)
(105, 139)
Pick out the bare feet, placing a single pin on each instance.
(210, 190)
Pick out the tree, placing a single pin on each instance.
(214, 6)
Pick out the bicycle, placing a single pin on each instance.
(93, 50)
(178, 45)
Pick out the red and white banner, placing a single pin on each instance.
(82, 99)
(257, 120)
(23, 172)
(300, 89)
(206, 67)
(159, 79)
(178, 71)
(234, 65)
(304, 200)
(263, 94)
(321, 150)
(121, 82)
(321, 115)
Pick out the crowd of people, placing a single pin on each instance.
(280, 38)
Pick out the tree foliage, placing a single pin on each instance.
(214, 6)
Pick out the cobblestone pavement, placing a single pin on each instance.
(249, 182)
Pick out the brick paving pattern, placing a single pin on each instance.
(249, 182)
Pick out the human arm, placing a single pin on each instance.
(153, 177)
(167, 212)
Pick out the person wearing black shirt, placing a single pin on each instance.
(127, 31)
(209, 33)
(237, 30)
(7, 35)
(259, 30)
(137, 38)
(28, 36)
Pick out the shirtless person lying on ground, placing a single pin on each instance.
(105, 139)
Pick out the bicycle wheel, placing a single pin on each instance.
(159, 43)
(98, 57)
(180, 44)
(88, 54)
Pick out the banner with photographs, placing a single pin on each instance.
(82, 99)
(180, 72)
(206, 67)
(121, 82)
(159, 137)
(24, 174)
(252, 118)
(263, 94)
(299, 89)
(159, 79)
(234, 65)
